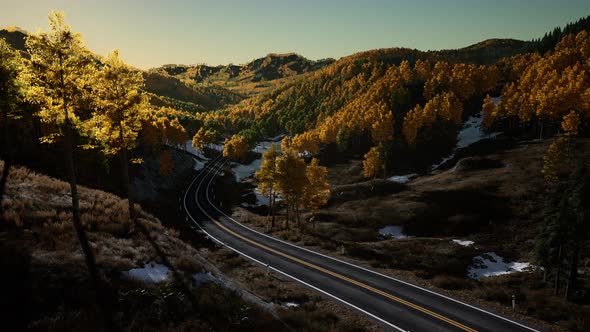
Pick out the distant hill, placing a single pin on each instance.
(486, 52)
(14, 37)
(256, 76)
(168, 90)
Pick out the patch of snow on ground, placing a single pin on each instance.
(150, 273)
(490, 265)
(198, 165)
(245, 171)
(465, 243)
(396, 232)
(402, 178)
(188, 146)
(470, 133)
(290, 304)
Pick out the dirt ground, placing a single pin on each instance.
(492, 196)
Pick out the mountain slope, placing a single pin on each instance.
(254, 77)
(44, 280)
(169, 91)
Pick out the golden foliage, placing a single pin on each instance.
(235, 147)
(317, 191)
(571, 122)
(374, 162)
(553, 159)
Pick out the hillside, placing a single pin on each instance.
(167, 90)
(251, 78)
(45, 282)
(16, 38)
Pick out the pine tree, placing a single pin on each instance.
(61, 75)
(317, 190)
(374, 162)
(121, 107)
(489, 109)
(291, 179)
(268, 178)
(12, 86)
(202, 138)
(235, 147)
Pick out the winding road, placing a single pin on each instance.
(394, 304)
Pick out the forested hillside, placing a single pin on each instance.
(251, 78)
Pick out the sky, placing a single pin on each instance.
(150, 33)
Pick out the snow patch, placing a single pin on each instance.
(471, 132)
(152, 273)
(491, 265)
(290, 304)
(402, 178)
(396, 232)
(464, 243)
(243, 172)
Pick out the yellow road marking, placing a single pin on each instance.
(339, 276)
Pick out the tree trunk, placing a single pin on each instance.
(557, 274)
(125, 173)
(272, 211)
(573, 277)
(297, 213)
(81, 233)
(287, 221)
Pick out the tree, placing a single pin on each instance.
(317, 190)
(235, 147)
(268, 179)
(61, 74)
(121, 106)
(11, 94)
(202, 138)
(373, 163)
(566, 229)
(291, 179)
(489, 109)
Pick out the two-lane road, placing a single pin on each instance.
(396, 304)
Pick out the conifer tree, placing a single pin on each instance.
(121, 107)
(268, 178)
(291, 178)
(235, 147)
(373, 163)
(12, 85)
(62, 71)
(317, 190)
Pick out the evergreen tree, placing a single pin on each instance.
(121, 107)
(268, 178)
(291, 179)
(317, 190)
(62, 71)
(12, 85)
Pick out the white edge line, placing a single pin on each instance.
(371, 271)
(284, 273)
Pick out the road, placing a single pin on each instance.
(394, 304)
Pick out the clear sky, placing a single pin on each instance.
(150, 33)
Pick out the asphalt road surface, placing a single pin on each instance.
(396, 305)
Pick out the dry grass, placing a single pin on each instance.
(39, 208)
